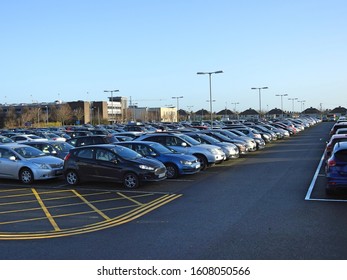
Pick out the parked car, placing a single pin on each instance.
(5, 140)
(108, 162)
(51, 147)
(208, 155)
(260, 143)
(92, 140)
(336, 168)
(337, 126)
(177, 164)
(25, 163)
(333, 140)
(230, 149)
(50, 136)
(27, 137)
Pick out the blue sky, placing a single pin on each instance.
(151, 50)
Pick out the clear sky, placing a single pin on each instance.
(151, 50)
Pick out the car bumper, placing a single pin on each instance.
(190, 169)
(44, 174)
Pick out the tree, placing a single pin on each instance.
(64, 113)
(78, 114)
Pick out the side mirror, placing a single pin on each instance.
(184, 144)
(115, 161)
(13, 158)
(152, 154)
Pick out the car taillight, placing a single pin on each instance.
(331, 162)
(67, 156)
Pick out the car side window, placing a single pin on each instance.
(98, 140)
(141, 149)
(5, 153)
(86, 153)
(158, 139)
(104, 155)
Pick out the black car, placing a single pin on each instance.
(111, 163)
(92, 140)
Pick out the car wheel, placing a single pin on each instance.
(203, 161)
(172, 171)
(26, 176)
(72, 178)
(131, 180)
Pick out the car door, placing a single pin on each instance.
(108, 166)
(9, 168)
(86, 163)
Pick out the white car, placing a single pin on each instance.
(27, 137)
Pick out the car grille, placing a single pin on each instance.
(159, 171)
(54, 166)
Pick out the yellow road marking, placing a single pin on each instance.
(91, 205)
(127, 217)
(129, 198)
(45, 210)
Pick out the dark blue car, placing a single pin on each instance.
(176, 164)
(336, 168)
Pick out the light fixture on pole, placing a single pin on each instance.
(209, 74)
(282, 100)
(177, 98)
(112, 91)
(293, 99)
(302, 104)
(259, 89)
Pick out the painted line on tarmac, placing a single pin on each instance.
(313, 182)
(119, 220)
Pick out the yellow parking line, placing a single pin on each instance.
(129, 198)
(45, 210)
(91, 205)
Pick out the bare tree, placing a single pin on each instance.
(64, 113)
(79, 114)
(11, 118)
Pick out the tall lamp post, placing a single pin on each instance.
(209, 74)
(259, 89)
(293, 99)
(302, 104)
(282, 101)
(177, 98)
(112, 91)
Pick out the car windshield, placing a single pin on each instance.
(5, 140)
(63, 147)
(161, 149)
(189, 139)
(29, 152)
(126, 153)
(341, 155)
(210, 139)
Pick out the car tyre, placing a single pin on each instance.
(203, 161)
(72, 177)
(131, 180)
(26, 176)
(172, 171)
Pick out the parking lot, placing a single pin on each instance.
(49, 209)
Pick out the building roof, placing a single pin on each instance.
(339, 110)
(249, 112)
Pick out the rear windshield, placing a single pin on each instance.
(341, 155)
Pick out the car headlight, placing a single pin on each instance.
(186, 162)
(146, 167)
(42, 165)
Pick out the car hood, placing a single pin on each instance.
(179, 156)
(149, 161)
(46, 160)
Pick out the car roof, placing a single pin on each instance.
(340, 146)
(334, 136)
(13, 145)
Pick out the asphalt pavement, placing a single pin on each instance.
(249, 208)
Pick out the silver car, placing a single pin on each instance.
(25, 163)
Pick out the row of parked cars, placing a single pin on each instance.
(134, 156)
(335, 157)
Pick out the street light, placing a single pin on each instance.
(209, 74)
(292, 99)
(302, 104)
(259, 89)
(177, 98)
(112, 91)
(282, 100)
